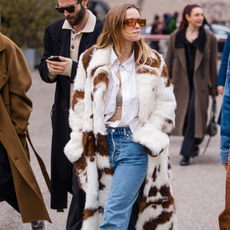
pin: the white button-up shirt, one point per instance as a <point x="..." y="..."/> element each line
<point x="129" y="93"/>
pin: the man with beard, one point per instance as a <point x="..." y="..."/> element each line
<point x="66" y="38"/>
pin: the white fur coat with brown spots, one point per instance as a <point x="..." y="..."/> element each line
<point x="87" y="147"/>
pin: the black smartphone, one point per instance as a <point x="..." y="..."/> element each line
<point x="54" y="58"/>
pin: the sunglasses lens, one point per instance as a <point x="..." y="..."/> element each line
<point x="142" y="22"/>
<point x="59" y="9"/>
<point x="130" y="22"/>
<point x="70" y="9"/>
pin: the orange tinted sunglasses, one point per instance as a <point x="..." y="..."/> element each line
<point x="132" y="22"/>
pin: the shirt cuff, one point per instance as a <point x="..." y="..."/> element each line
<point x="224" y="156"/>
<point x="50" y="76"/>
<point x="68" y="69"/>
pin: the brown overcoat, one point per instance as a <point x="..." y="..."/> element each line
<point x="15" y="109"/>
<point x="204" y="80"/>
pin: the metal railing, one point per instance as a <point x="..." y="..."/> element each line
<point x="163" y="40"/>
<point x="159" y="37"/>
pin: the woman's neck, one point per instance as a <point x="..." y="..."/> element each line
<point x="192" y="32"/>
<point x="126" y="53"/>
<point x="192" y="29"/>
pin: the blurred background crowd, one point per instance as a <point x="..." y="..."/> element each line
<point x="26" y="23"/>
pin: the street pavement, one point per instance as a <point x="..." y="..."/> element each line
<point x="199" y="189"/>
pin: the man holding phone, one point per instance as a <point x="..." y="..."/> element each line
<point x="66" y="38"/>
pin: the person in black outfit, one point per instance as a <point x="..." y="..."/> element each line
<point x="165" y="24"/>
<point x="67" y="38"/>
<point x="155" y="29"/>
<point x="192" y="63"/>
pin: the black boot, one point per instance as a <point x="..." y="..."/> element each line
<point x="184" y="161"/>
<point x="197" y="150"/>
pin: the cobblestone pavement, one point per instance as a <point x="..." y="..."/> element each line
<point x="199" y="188"/>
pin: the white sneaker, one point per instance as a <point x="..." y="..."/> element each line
<point x="39" y="225"/>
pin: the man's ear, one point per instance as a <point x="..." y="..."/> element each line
<point x="84" y="3"/>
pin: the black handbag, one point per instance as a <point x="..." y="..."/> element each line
<point x="211" y="128"/>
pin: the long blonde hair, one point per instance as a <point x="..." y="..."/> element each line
<point x="112" y="33"/>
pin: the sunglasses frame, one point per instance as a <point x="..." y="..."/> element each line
<point x="141" y="22"/>
<point x="69" y="9"/>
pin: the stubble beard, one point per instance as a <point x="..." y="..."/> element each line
<point x="77" y="17"/>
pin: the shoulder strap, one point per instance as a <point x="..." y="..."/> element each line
<point x="207" y="145"/>
<point x="212" y="116"/>
<point x="41" y="163"/>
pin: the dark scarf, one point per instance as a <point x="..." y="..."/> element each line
<point x="199" y="42"/>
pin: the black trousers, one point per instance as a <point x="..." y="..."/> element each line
<point x="188" y="146"/>
<point x="75" y="215"/>
<point x="7" y="190"/>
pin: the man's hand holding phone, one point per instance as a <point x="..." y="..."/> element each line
<point x="57" y="64"/>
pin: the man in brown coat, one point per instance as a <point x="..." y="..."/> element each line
<point x="18" y="185"/>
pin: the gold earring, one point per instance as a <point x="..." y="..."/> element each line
<point x="188" y="20"/>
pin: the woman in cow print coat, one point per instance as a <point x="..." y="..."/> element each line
<point x="121" y="117"/>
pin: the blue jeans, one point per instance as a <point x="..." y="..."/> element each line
<point x="129" y="162"/>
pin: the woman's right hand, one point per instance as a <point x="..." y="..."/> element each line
<point x="220" y="89"/>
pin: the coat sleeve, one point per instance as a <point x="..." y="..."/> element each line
<point x="48" y="51"/>
<point x="225" y="121"/>
<point x="154" y="134"/>
<point x="19" y="83"/>
<point x="224" y="63"/>
<point x="49" y="46"/>
<point x="213" y="65"/>
<point x="74" y="148"/>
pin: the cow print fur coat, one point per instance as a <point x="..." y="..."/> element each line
<point x="87" y="148"/>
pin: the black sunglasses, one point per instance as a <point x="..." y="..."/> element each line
<point x="69" y="9"/>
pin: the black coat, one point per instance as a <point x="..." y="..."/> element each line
<point x="57" y="42"/>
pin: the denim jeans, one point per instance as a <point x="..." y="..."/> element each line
<point x="129" y="162"/>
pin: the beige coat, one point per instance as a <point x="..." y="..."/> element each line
<point x="204" y="81"/>
<point x="15" y="109"/>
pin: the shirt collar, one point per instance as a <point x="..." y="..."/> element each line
<point x="127" y="65"/>
<point x="89" y="26"/>
<point x="113" y="58"/>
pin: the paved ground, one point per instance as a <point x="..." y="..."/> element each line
<point x="198" y="188"/>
